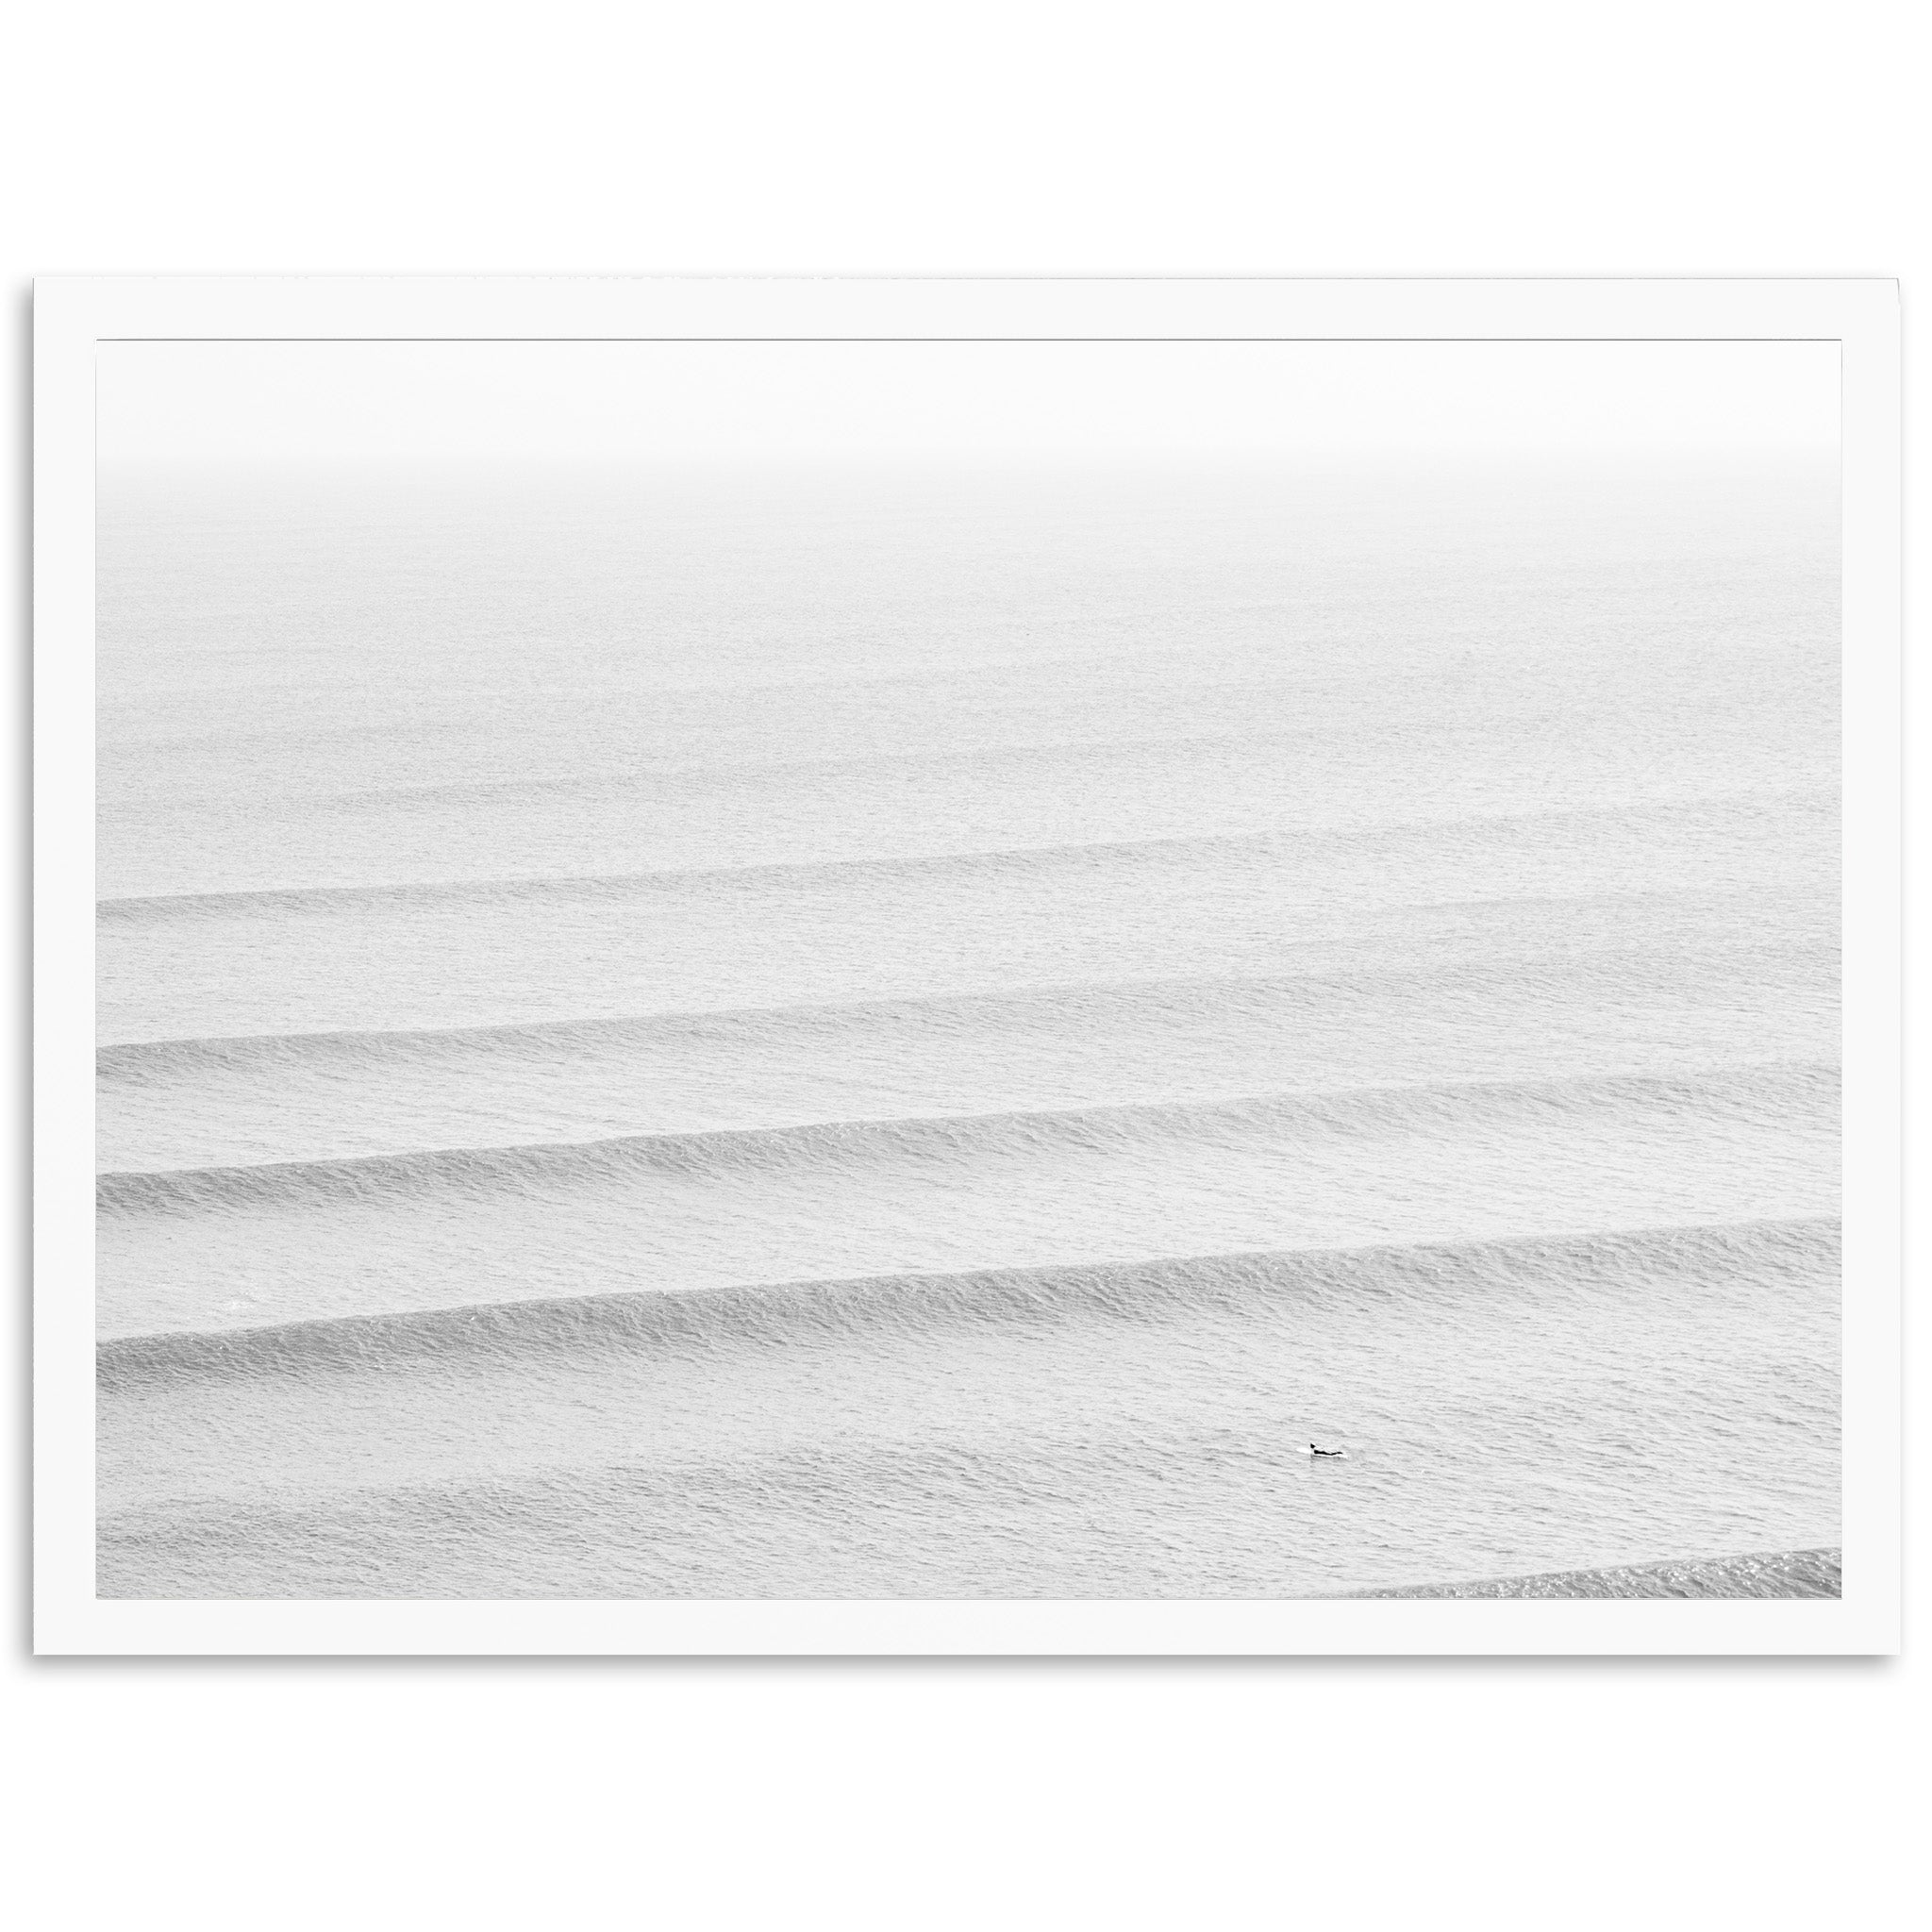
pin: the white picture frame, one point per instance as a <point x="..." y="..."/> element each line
<point x="73" y="316"/>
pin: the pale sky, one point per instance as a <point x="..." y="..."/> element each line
<point x="202" y="404"/>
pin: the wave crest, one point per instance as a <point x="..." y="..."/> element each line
<point x="1736" y="1093"/>
<point x="794" y="1312"/>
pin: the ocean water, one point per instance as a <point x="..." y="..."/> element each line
<point x="893" y="1032"/>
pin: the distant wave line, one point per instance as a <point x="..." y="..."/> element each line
<point x="603" y="886"/>
<point x="136" y="908"/>
<point x="646" y="773"/>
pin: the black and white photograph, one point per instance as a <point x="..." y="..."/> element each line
<point x="968" y="969"/>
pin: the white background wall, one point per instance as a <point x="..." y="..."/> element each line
<point x="1682" y="138"/>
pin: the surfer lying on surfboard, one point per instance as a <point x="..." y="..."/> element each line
<point x="1314" y="1451"/>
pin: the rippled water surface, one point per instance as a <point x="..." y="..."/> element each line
<point x="897" y="1034"/>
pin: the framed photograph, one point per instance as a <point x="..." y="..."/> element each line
<point x="990" y="967"/>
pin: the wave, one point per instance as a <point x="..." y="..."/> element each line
<point x="797" y="1312"/>
<point x="1227" y="997"/>
<point x="1764" y="1573"/>
<point x="996" y="864"/>
<point x="602" y="887"/>
<point x="1748" y="1093"/>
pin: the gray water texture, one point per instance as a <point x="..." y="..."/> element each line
<point x="921" y="1032"/>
